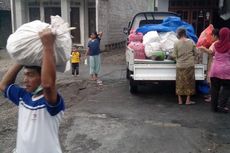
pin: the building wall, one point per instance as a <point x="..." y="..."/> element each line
<point x="111" y="16"/>
<point x="162" y="5"/>
<point x="114" y="15"/>
<point x="102" y="20"/>
<point x="5" y="5"/>
<point x="5" y="28"/>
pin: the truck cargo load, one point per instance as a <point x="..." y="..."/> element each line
<point x="158" y="44"/>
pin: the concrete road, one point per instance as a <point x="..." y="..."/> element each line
<point x="112" y="120"/>
<point x="108" y="119"/>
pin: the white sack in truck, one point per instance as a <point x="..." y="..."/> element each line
<point x="168" y="40"/>
<point x="150" y="37"/>
<point x="26" y="47"/>
<point x="150" y="48"/>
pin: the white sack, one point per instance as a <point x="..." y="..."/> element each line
<point x="26" y="47"/>
<point x="150" y="48"/>
<point x="168" y="40"/>
<point x="150" y="37"/>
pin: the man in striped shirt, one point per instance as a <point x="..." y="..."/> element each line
<point x="40" y="106"/>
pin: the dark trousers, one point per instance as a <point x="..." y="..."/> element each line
<point x="220" y="93"/>
<point x="75" y="68"/>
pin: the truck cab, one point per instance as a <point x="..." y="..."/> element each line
<point x="144" y="18"/>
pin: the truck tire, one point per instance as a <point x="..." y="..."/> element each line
<point x="128" y="73"/>
<point x="133" y="88"/>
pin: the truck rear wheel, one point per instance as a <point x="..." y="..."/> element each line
<point x="133" y="88"/>
<point x="128" y="73"/>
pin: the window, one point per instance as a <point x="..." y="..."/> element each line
<point x="51" y="11"/>
<point x="51" y="7"/>
<point x="34" y="13"/>
<point x="34" y="10"/>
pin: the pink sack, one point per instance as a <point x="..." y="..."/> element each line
<point x="135" y="36"/>
<point x="139" y="50"/>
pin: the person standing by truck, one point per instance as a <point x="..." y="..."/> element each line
<point x="220" y="72"/>
<point x="184" y="54"/>
<point x="210" y="52"/>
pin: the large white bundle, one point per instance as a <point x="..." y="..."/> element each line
<point x="26" y="47"/>
<point x="150" y="48"/>
<point x="168" y="40"/>
<point x="150" y="37"/>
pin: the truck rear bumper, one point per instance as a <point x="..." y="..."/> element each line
<point x="161" y="72"/>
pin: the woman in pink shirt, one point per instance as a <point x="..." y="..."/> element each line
<point x="220" y="72"/>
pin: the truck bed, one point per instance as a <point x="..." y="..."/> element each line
<point x="151" y="70"/>
<point x="149" y="61"/>
<point x="160" y="72"/>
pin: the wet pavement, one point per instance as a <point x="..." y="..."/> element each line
<point x="108" y="119"/>
<point x="115" y="121"/>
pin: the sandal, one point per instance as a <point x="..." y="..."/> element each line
<point x="99" y="82"/>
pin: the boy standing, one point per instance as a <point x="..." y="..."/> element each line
<point x="75" y="60"/>
<point x="40" y="106"/>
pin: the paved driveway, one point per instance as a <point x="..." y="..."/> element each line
<point x="114" y="121"/>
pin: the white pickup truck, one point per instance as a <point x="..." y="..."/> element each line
<point x="147" y="70"/>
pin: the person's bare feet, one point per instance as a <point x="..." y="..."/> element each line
<point x="208" y="99"/>
<point x="91" y="77"/>
<point x="190" y="103"/>
<point x="223" y="109"/>
<point x="180" y="102"/>
<point x="207" y="96"/>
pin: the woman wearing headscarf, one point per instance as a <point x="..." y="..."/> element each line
<point x="184" y="54"/>
<point x="220" y="72"/>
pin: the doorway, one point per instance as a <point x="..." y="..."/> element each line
<point x="34" y="13"/>
<point x="5" y="27"/>
<point x="75" y="22"/>
<point x="92" y="20"/>
<point x="196" y="12"/>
